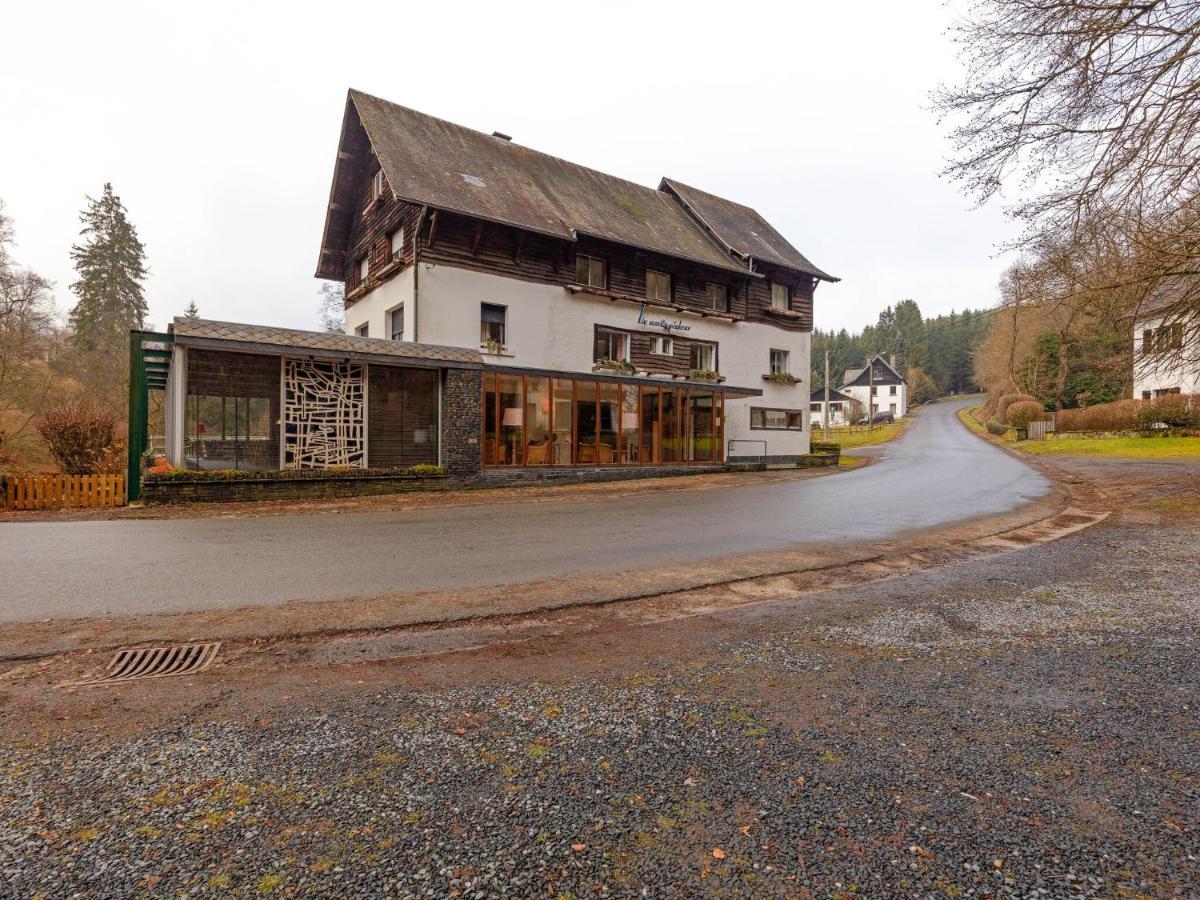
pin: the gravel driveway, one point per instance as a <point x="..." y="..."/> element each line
<point x="1023" y="725"/>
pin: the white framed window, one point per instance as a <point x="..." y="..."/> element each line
<point x="364" y="269"/>
<point x="492" y="323"/>
<point x="397" y="242"/>
<point x="779" y="362"/>
<point x="590" y="271"/>
<point x="396" y="321"/>
<point x="658" y="285"/>
<point x="716" y="296"/>
<point x="704" y="356"/>
<point x="662" y="346"/>
<point x="363" y="330"/>
<point x="611" y="344"/>
<point x="780" y="296"/>
<point x="377" y="185"/>
<point x="892" y="390"/>
<point x="892" y="407"/>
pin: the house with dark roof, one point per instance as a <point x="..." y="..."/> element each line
<point x="1166" y="357"/>
<point x="512" y="315"/>
<point x="877" y="386"/>
<point x="843" y="409"/>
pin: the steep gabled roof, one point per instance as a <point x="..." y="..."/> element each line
<point x="436" y="163"/>
<point x="853" y="376"/>
<point x="741" y="229"/>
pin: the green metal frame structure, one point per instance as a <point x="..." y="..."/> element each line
<point x="149" y="364"/>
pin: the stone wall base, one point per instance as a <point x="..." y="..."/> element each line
<point x="154" y="492"/>
<point x="582" y="474"/>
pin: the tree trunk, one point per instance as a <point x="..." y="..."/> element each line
<point x="1060" y="382"/>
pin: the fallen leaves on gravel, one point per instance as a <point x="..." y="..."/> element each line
<point x="718" y="853"/>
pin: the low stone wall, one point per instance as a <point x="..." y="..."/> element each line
<point x="811" y="460"/>
<point x="580" y="474"/>
<point x="212" y="491"/>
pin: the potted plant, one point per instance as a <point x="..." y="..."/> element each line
<point x="493" y="347"/>
<point x="786" y="378"/>
<point x="623" y="366"/>
<point x="705" y="375"/>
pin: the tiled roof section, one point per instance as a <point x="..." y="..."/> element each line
<point x="295" y="339"/>
<point x="818" y="396"/>
<point x="743" y="230"/>
<point x="1167" y="294"/>
<point x="431" y="161"/>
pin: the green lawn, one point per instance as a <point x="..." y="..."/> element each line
<point x="859" y="436"/>
<point x="1123" y="447"/>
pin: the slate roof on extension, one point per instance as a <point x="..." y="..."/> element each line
<point x="433" y="162"/>
<point x="742" y="229"/>
<point x="205" y="332"/>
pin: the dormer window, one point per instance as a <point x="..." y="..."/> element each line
<point x="377" y="185"/>
<point x="780" y="296"/>
<point x="397" y="242"/>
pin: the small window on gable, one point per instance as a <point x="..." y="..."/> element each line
<point x="377" y="185"/>
<point x="364" y="269"/>
<point x="1147" y="341"/>
<point x="780" y="296"/>
<point x="397" y="242"/>
<point x="589" y="270"/>
<point x="662" y="346"/>
<point x="658" y="285"/>
<point x="716" y="297"/>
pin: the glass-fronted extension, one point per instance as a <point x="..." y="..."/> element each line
<point x="540" y="420"/>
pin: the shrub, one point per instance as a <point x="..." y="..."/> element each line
<point x="425" y="470"/>
<point x="1008" y="400"/>
<point x="1174" y="411"/>
<point x="1121" y="415"/>
<point x="1021" y="413"/>
<point x="80" y="436"/>
<point x="921" y="388"/>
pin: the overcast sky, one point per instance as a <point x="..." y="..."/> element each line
<point x="219" y="130"/>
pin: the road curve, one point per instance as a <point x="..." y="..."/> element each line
<point x="938" y="473"/>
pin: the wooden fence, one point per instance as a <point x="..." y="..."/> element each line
<point x="56" y="491"/>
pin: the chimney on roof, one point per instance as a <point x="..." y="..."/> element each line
<point x="502" y="135"/>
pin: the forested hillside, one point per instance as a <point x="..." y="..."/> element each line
<point x="940" y="348"/>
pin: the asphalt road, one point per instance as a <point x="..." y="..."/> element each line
<point x="937" y="474"/>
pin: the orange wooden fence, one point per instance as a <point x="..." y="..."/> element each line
<point x="54" y="491"/>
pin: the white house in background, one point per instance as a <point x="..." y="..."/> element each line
<point x="877" y="386"/>
<point x="842" y="408"/>
<point x="1166" y="358"/>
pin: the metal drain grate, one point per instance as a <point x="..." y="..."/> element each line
<point x="157" y="662"/>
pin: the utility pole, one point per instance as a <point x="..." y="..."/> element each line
<point x="870" y="394"/>
<point x="825" y="416"/>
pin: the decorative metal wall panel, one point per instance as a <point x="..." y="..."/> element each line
<point x="324" y="414"/>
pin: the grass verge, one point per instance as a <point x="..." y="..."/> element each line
<point x="1119" y="447"/>
<point x="859" y="437"/>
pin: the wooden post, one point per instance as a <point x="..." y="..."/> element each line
<point x="825" y="416"/>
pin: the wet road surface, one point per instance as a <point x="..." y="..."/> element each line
<point x="936" y="474"/>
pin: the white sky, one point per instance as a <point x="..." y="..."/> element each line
<point x="218" y="129"/>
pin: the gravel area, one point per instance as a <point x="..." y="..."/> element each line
<point x="1023" y="726"/>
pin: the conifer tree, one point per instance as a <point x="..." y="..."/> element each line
<point x="111" y="263"/>
<point x="191" y="312"/>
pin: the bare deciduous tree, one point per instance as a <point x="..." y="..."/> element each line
<point x="1091" y="111"/>
<point x="26" y="331"/>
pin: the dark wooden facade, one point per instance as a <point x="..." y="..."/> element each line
<point x="447" y="238"/>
